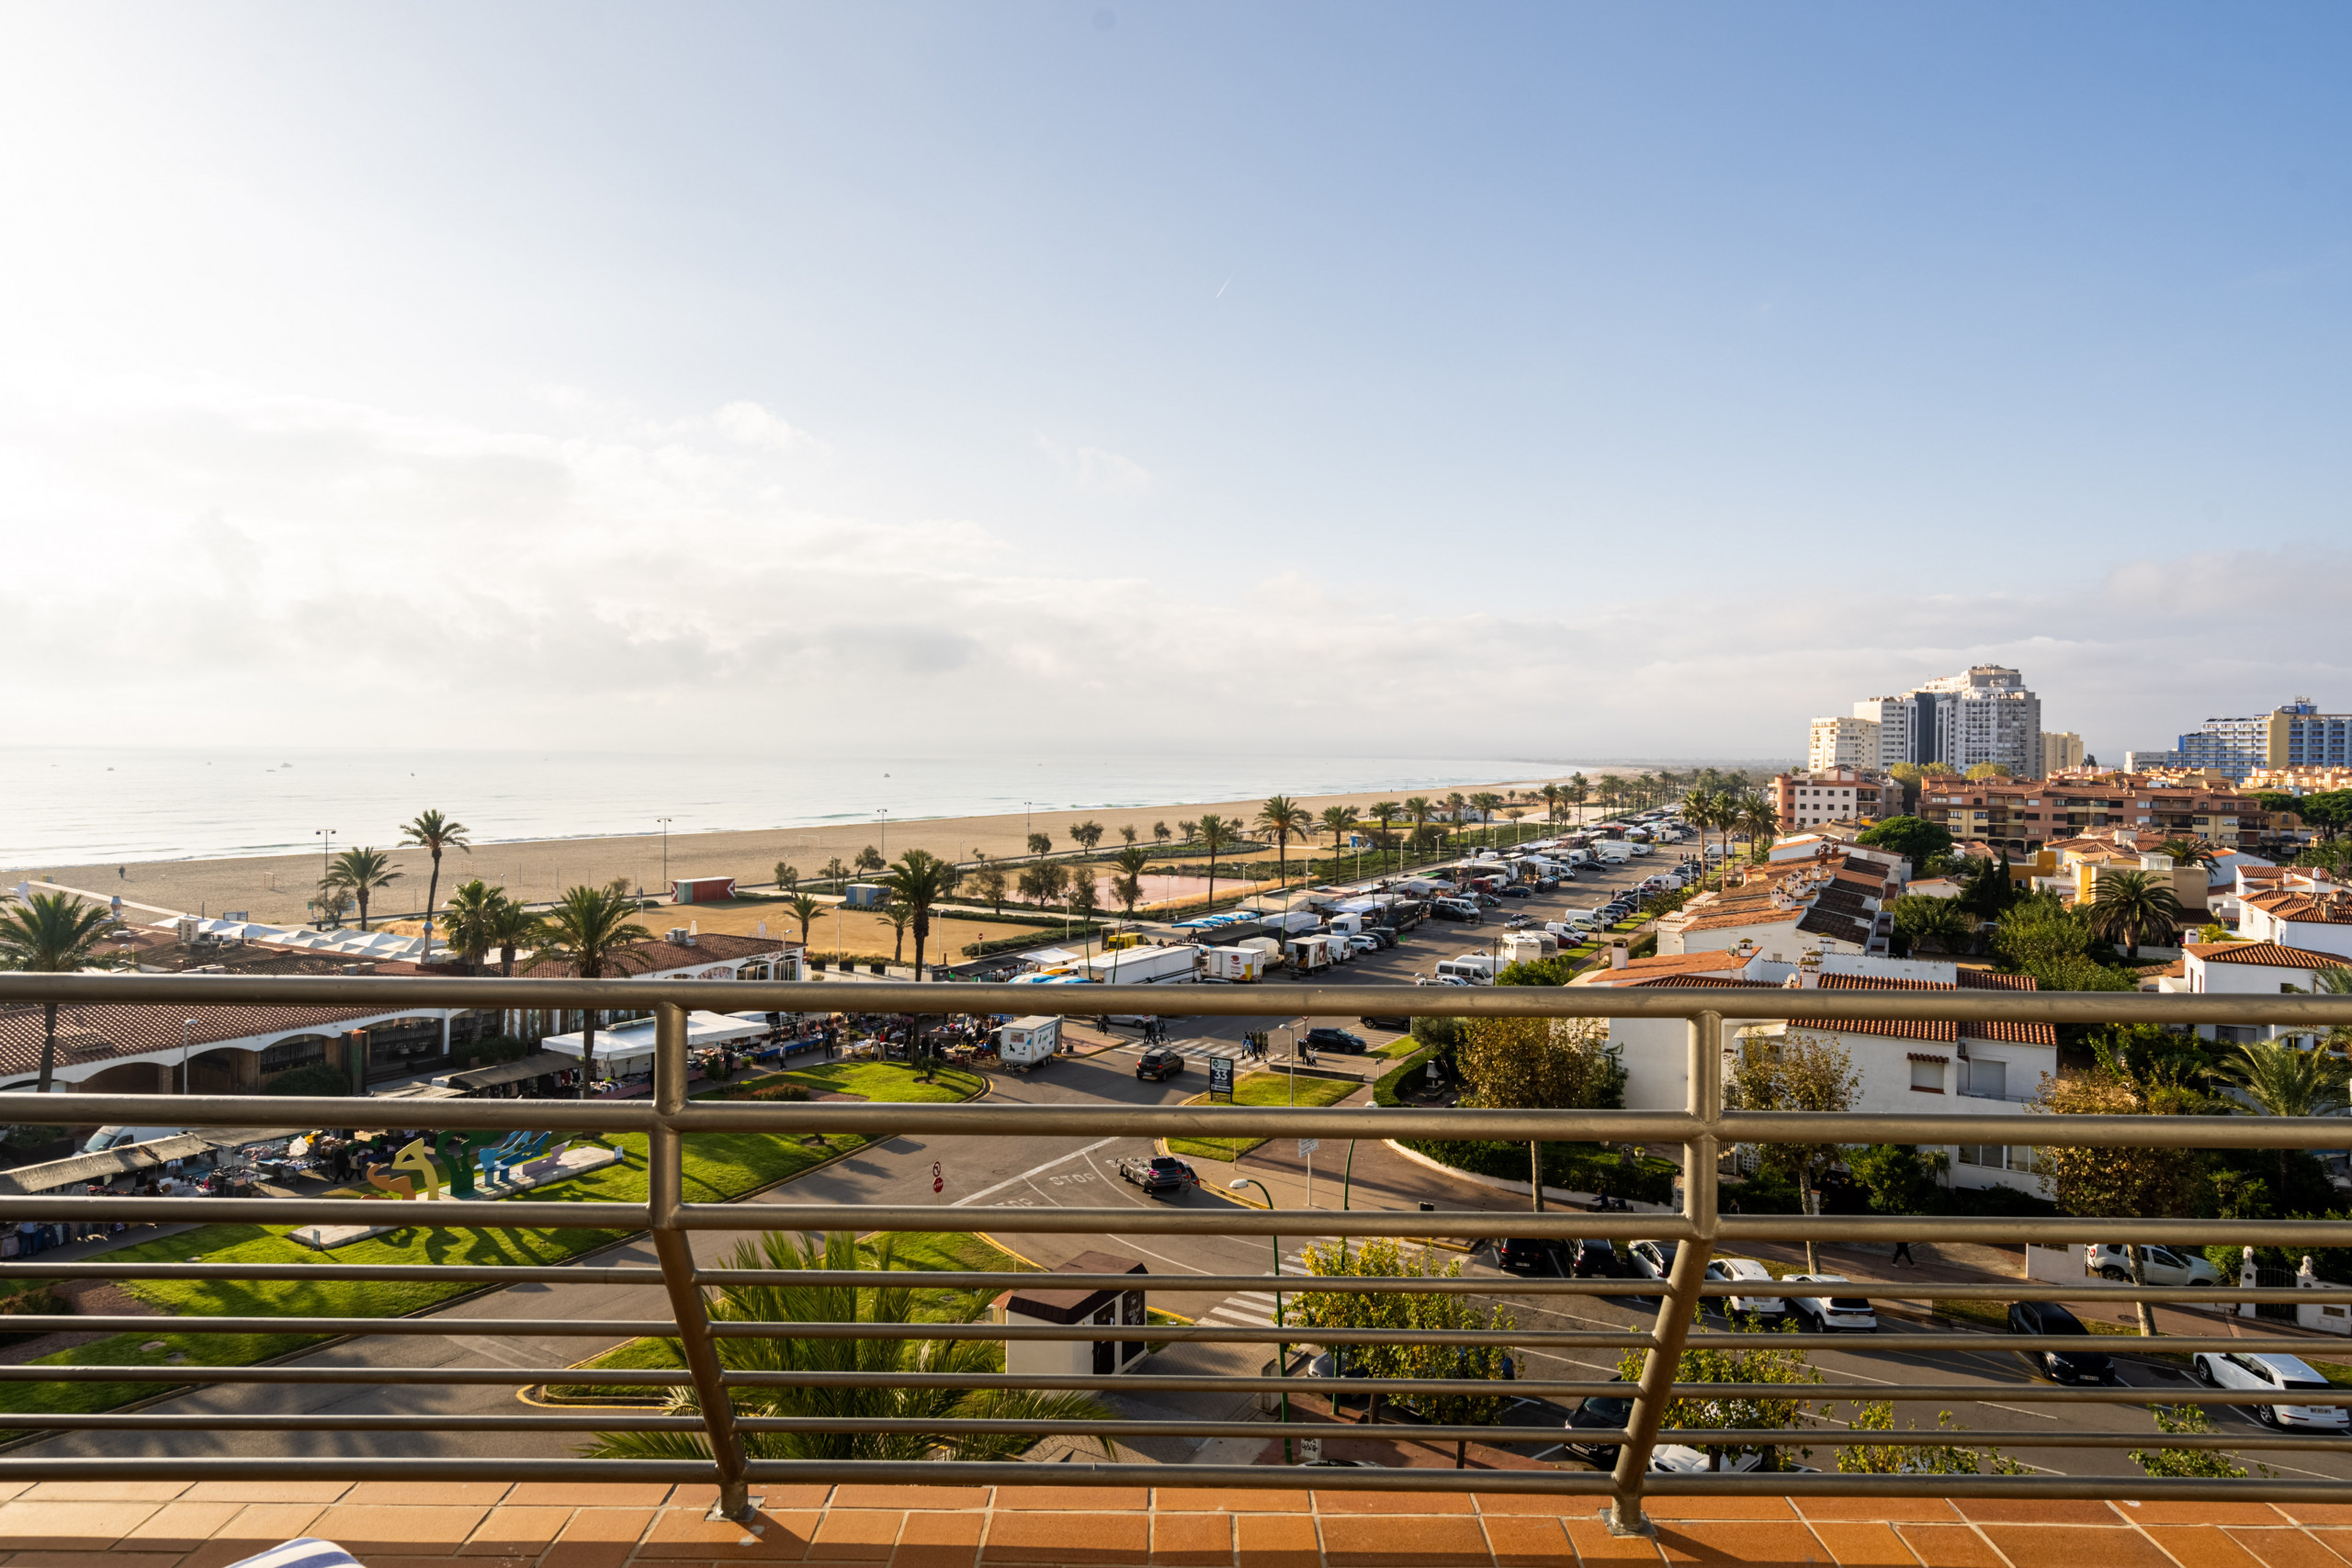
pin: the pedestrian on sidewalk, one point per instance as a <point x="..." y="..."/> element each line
<point x="1903" y="1253"/>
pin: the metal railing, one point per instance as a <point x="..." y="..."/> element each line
<point x="1702" y="1127"/>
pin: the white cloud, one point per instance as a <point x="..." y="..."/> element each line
<point x="749" y="425"/>
<point x="1091" y="470"/>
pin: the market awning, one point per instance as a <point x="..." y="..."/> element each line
<point x="538" y="1064"/>
<point x="635" y="1038"/>
<point x="79" y="1170"/>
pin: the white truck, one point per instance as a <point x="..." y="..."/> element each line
<point x="1309" y="953"/>
<point x="1478" y="968"/>
<point x="1291" y="922"/>
<point x="1143" y="967"/>
<point x="1233" y="966"/>
<point x="1026" y="1041"/>
<point x="1614" y="852"/>
<point x="1531" y="947"/>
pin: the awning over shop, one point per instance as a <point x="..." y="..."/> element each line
<point x="79" y="1170"/>
<point x="623" y="1043"/>
<point x="538" y="1064"/>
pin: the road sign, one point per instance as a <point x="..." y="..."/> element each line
<point x="938" y="1179"/>
<point x="1308" y="1146"/>
<point x="1221" y="1078"/>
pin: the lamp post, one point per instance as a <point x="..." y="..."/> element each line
<point x="665" y="852"/>
<point x="884" y="812"/>
<point x="187" y="1032"/>
<point x="1282" y="1349"/>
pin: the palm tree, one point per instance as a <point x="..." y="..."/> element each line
<point x="804" y="909"/>
<point x="2284" y="1081"/>
<point x="1487" y="802"/>
<point x="1578" y="790"/>
<point x="919" y="882"/>
<point x="360" y="873"/>
<point x="1128" y="884"/>
<point x="2132" y="904"/>
<point x="471" y="905"/>
<point x="1282" y="817"/>
<point x="1551" y="795"/>
<point x="865" y="1408"/>
<point x="1191" y="830"/>
<point x="1385" y="812"/>
<point x="1419" y="809"/>
<point x="1699" y="809"/>
<point x="1612" y="791"/>
<point x="433" y="832"/>
<point x="510" y="927"/>
<point x="1455" y="805"/>
<point x="1760" y="822"/>
<point x="899" y="916"/>
<point x="836" y="873"/>
<point x="1217" y="835"/>
<point x="1340" y="822"/>
<point x="788" y="877"/>
<point x="2186" y="851"/>
<point x="54" y="933"/>
<point x="2335" y="981"/>
<point x="591" y="929"/>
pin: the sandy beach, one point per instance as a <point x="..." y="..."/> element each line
<point x="275" y="887"/>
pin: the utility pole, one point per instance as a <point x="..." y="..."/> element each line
<point x="665" y="853"/>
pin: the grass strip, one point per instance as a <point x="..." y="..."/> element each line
<point x="1261" y="1089"/>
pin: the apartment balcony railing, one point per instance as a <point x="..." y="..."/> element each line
<point x="1703" y="1127"/>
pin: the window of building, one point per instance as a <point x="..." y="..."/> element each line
<point x="1927" y="1077"/>
<point x="1989" y="1078"/>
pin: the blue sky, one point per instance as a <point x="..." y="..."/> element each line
<point x="1581" y="381"/>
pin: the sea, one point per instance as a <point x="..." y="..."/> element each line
<point x="87" y="805"/>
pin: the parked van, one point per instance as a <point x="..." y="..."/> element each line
<point x="1234" y="965"/>
<point x="1477" y="968"/>
<point x="1309" y="953"/>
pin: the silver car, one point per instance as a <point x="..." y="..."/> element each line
<point x="1830" y="1314"/>
<point x="2270" y="1373"/>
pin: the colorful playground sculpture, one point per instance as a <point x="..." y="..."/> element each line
<point x="450" y="1159"/>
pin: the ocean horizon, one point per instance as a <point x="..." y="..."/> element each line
<point x="88" y="804"/>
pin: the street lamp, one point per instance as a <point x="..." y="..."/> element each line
<point x="1282" y="1349"/>
<point x="884" y="813"/>
<point x="187" y="1030"/>
<point x="665" y="851"/>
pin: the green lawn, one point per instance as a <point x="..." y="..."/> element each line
<point x="719" y="1166"/>
<point x="1261" y="1089"/>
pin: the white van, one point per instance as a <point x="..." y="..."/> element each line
<point x="1476" y="967"/>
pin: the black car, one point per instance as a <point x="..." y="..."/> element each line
<point x="1540" y="1254"/>
<point x="2086" y="1365"/>
<point x="1338" y="1040"/>
<point x="1601" y="1412"/>
<point x="1595" y="1259"/>
<point x="1159" y="1065"/>
<point x="1401" y="1025"/>
<point x="1516" y="891"/>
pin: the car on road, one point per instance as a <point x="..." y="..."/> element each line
<point x="1401" y="1025"/>
<point x="2084" y="1365"/>
<point x="1446" y="910"/>
<point x="1156" y="1065"/>
<point x="1159" y="1174"/>
<point x="2160" y="1265"/>
<point x="2272" y="1372"/>
<point x="1829" y="1314"/>
<point x="1538" y="1254"/>
<point x="1679" y="1459"/>
<point x="1600" y="1412"/>
<point x="1338" y="1040"/>
<point x="1652" y="1259"/>
<point x="1363" y="943"/>
<point x="1516" y="891"/>
<point x="1744" y="1270"/>
<point x="1596" y="1259"/>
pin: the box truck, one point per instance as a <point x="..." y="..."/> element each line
<point x="1309" y="953"/>
<point x="1142" y="966"/>
<point x="1291" y="923"/>
<point x="1614" y="852"/>
<point x="1026" y="1041"/>
<point x="1234" y="965"/>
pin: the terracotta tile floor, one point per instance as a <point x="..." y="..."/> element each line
<point x="58" y="1525"/>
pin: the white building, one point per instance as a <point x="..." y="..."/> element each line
<point x="1851" y="744"/>
<point x="1978" y="1068"/>
<point x="1984" y="715"/>
<point x="1893" y="717"/>
<point x="2316" y="922"/>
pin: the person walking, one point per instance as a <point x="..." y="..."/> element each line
<point x="1903" y="1253"/>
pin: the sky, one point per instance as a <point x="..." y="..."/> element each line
<point x="1513" y="379"/>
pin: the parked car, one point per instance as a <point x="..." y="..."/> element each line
<point x="1538" y="1254"/>
<point x="1401" y="1025"/>
<point x="1451" y="911"/>
<point x="1596" y="1259"/>
<point x="1159" y="1174"/>
<point x="1516" y="891"/>
<point x="1652" y="1259"/>
<point x="2084" y="1365"/>
<point x="2160" y="1265"/>
<point x="1328" y="1366"/>
<point x="2268" y="1373"/>
<point x="1743" y="1270"/>
<point x="1830" y="1314"/>
<point x="1679" y="1459"/>
<point x="1156" y="1065"/>
<point x="1600" y="1412"/>
<point x="1338" y="1040"/>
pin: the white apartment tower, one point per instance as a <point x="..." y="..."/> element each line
<point x="1984" y="715"/>
<point x="1849" y="743"/>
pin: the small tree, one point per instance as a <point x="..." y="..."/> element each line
<point x="1775" y="1357"/>
<point x="788" y="876"/>
<point x="1040" y="843"/>
<point x="1159" y="833"/>
<point x="1408" y="1314"/>
<point x="1988" y="769"/>
<point x="1934" y="925"/>
<point x="2189" y="1464"/>
<point x="1191" y="830"/>
<point x="1793" y="1071"/>
<point x="1898" y="1178"/>
<point x="2123" y="1183"/>
<point x="1919" y="1459"/>
<point x="837" y="872"/>
<point x="1540" y="1063"/>
<point x="988" y="886"/>
<point x="899" y="917"/>
<point x="1083" y="897"/>
<point x="869" y="859"/>
<point x="1086" y="835"/>
<point x="804" y="908"/>
<point x="1127" y="833"/>
<point x="1915" y="839"/>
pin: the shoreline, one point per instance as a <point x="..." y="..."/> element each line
<point x="274" y="888"/>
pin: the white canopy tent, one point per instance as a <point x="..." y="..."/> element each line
<point x="625" y="1048"/>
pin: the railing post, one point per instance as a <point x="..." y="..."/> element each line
<point x="1681" y="1301"/>
<point x="673" y="1249"/>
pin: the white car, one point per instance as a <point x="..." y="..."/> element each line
<point x="1652" y="1259"/>
<point x="1830" y="1314"/>
<point x="2160" y="1265"/>
<point x="2271" y="1373"/>
<point x="1362" y="944"/>
<point x="1742" y="1270"/>
<point x="1674" y="1458"/>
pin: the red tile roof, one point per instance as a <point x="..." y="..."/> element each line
<point x="2268" y="954"/>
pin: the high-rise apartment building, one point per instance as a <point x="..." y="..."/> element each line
<point x="1892" y="717"/>
<point x="1984" y="715"/>
<point x="1851" y="743"/>
<point x="2293" y="735"/>
<point x="2060" y="748"/>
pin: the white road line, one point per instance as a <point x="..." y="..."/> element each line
<point x="499" y="1351"/>
<point x="1016" y="1180"/>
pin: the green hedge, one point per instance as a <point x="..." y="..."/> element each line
<point x="1406" y="1076"/>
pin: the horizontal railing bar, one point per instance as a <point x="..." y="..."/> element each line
<point x="1203" y="1002"/>
<point x="2101" y="1344"/>
<point x="509" y="1213"/>
<point x="312" y="1110"/>
<point x="1183" y="1284"/>
<point x="1833" y="1229"/>
<point x="191" y="1373"/>
<point x="480" y="1273"/>
<point x="591" y="1419"/>
<point x="2036" y="1127"/>
<point x="1225" y="1220"/>
<point x="1264" y="1477"/>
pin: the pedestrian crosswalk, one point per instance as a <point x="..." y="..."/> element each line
<point x="1255" y="1309"/>
<point x="1198" y="1048"/>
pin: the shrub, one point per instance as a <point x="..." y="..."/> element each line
<point x="319" y="1078"/>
